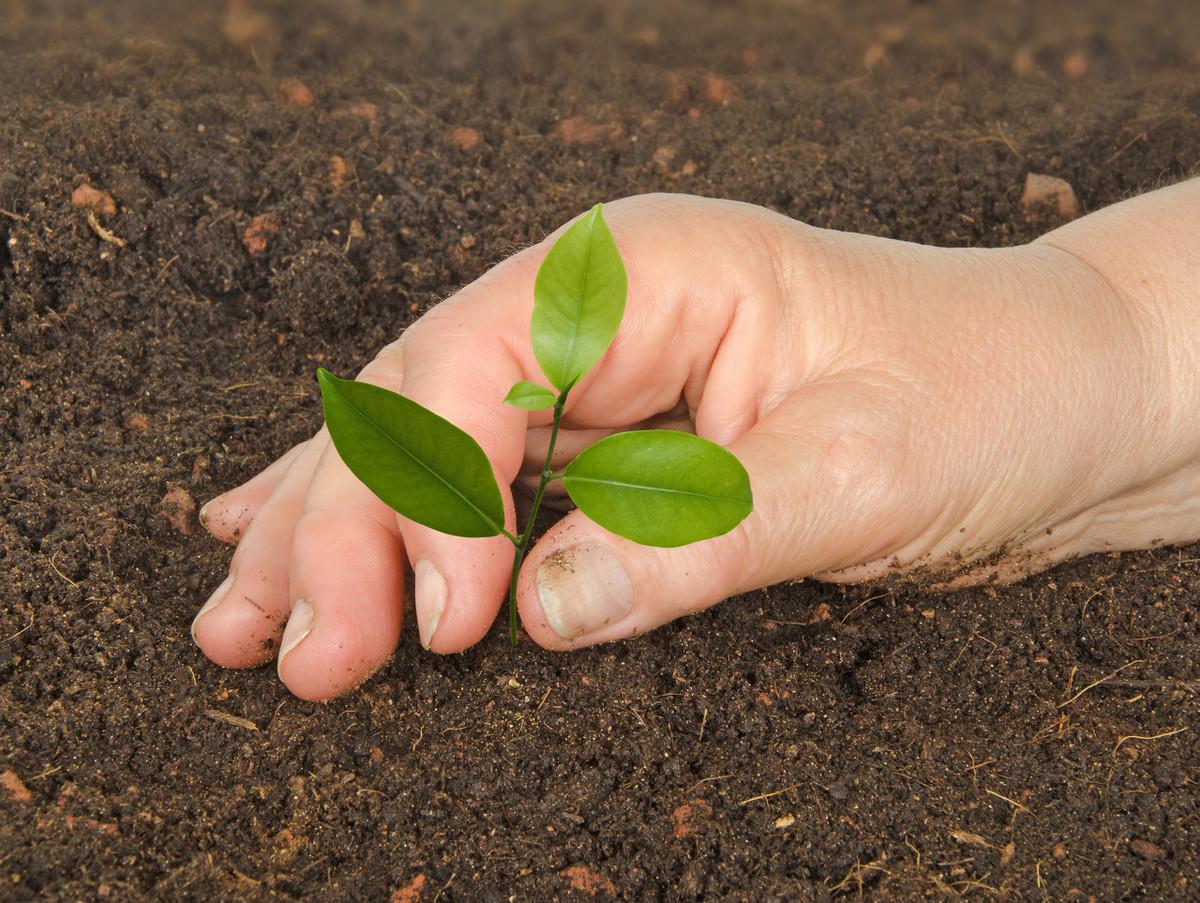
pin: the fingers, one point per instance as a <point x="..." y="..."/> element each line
<point x="457" y="363"/>
<point x="228" y="515"/>
<point x="346" y="582"/>
<point x="824" y="497"/>
<point x="241" y="623"/>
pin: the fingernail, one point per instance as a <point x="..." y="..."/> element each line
<point x="213" y="601"/>
<point x="431" y="599"/>
<point x="203" y="515"/>
<point x="299" y="626"/>
<point x="583" y="588"/>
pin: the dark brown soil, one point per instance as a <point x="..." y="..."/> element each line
<point x="803" y="742"/>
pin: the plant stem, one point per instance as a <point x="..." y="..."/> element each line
<point x="522" y="542"/>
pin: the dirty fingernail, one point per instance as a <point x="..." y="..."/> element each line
<point x="203" y="515"/>
<point x="431" y="599"/>
<point x="213" y="601"/>
<point x="583" y="588"/>
<point x="299" y="626"/>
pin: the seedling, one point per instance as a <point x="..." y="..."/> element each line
<point x="655" y="487"/>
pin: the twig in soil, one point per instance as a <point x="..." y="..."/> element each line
<point x="166" y="266"/>
<point x="11" y="215"/>
<point x="103" y="233"/>
<point x="847" y="615"/>
<point x="703" y="721"/>
<point x="856" y="874"/>
<point x="1020" y="807"/>
<point x="973" y="767"/>
<point x="438" y="895"/>
<point x="46" y="773"/>
<point x="1169" y="733"/>
<point x="545" y="696"/>
<point x="398" y="91"/>
<point x="1096" y="683"/>
<point x="1140" y="136"/>
<point x="54" y="567"/>
<point x="766" y="796"/>
<point x="23" y="629"/>
<point x="238" y="417"/>
<point x="702" y="781"/>
<point x="218" y="715"/>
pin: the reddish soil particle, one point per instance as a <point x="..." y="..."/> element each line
<point x="364" y="110"/>
<point x="411" y="892"/>
<point x="99" y="202"/>
<point x="577" y="130"/>
<point x="1144" y="849"/>
<point x="1075" y="65"/>
<point x="338" y="168"/>
<point x="256" y="237"/>
<point x="820" y="613"/>
<point x="137" y="421"/>
<point x="664" y="156"/>
<point x="178" y="507"/>
<point x="14" y="787"/>
<point x="465" y="137"/>
<point x="690" y="817"/>
<point x="717" y="90"/>
<point x="588" y="881"/>
<point x="294" y="93"/>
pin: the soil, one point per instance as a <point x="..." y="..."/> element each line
<point x="288" y="185"/>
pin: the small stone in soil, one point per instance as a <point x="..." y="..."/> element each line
<point x="14" y="787"/>
<point x="1042" y="189"/>
<point x="1144" y="849"/>
<point x="178" y="506"/>
<point x="587" y="881"/>
<point x="578" y="130"/>
<point x="295" y="93"/>
<point x="259" y="232"/>
<point x="99" y="202"/>
<point x="464" y="137"/>
<point x="1075" y="65"/>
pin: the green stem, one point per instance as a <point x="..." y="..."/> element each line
<point x="522" y="542"/>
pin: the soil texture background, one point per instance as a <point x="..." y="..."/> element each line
<point x="201" y="203"/>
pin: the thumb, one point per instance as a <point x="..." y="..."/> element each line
<point x="822" y="502"/>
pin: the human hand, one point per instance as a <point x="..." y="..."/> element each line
<point x="971" y="414"/>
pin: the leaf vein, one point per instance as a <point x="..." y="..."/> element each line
<point x="646" y="488"/>
<point x="453" y="489"/>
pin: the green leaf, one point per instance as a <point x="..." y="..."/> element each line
<point x="530" y="396"/>
<point x="578" y="300"/>
<point x="418" y="463"/>
<point x="660" y="487"/>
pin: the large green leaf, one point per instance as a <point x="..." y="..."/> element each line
<point x="578" y="300"/>
<point x="418" y="463"/>
<point x="660" y="487"/>
<point x="530" y="396"/>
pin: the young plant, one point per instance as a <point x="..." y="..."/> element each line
<point x="655" y="487"/>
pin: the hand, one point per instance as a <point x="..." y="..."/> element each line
<point x="968" y="414"/>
